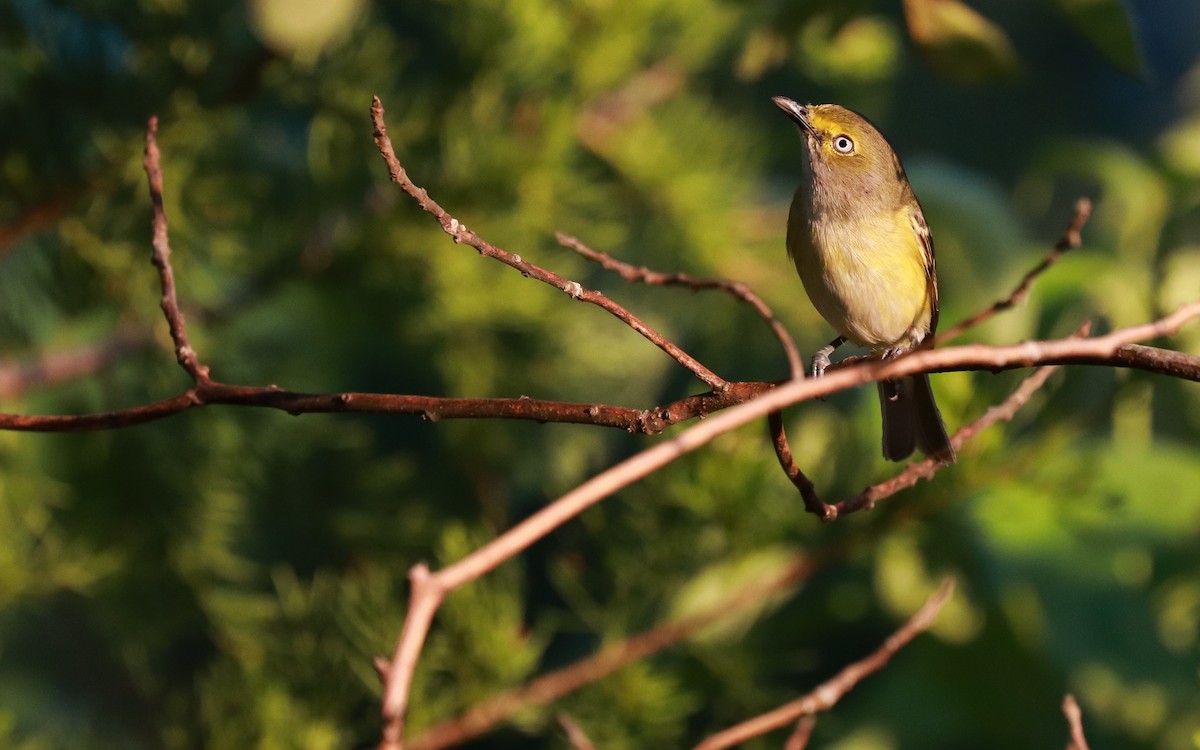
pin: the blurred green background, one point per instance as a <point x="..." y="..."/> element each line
<point x="223" y="578"/>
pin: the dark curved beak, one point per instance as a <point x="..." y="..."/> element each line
<point x="798" y="113"/>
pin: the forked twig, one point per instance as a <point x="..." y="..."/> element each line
<point x="644" y="275"/>
<point x="736" y="289"/>
<point x="460" y="234"/>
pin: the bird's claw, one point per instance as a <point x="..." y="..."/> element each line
<point x="820" y="362"/>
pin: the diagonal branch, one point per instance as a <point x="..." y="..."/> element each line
<point x="162" y="260"/>
<point x="826" y="695"/>
<point x="575" y="734"/>
<point x="460" y="234"/>
<point x="741" y="292"/>
<point x="1070" y="240"/>
<point x="483" y="716"/>
<point x="783" y="451"/>
<point x="925" y="469"/>
<point x="738" y="290"/>
<point x="802" y="733"/>
<point x="432" y="588"/>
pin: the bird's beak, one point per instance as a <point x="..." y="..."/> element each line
<point x="798" y="113"/>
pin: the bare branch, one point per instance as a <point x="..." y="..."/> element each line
<point x="1152" y="359"/>
<point x="574" y="289"/>
<point x="575" y="734"/>
<point x="1075" y="721"/>
<point x="431" y="408"/>
<point x="550" y="687"/>
<point x="424" y="601"/>
<point x="642" y="274"/>
<point x="783" y="451"/>
<point x="738" y="290"/>
<point x="925" y="469"/>
<point x="802" y="733"/>
<point x="1069" y="241"/>
<point x="827" y="694"/>
<point x="425" y="598"/>
<point x="1098" y="352"/>
<point x="162" y="261"/>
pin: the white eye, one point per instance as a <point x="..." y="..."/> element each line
<point x="842" y="144"/>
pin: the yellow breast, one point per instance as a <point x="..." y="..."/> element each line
<point x="866" y="276"/>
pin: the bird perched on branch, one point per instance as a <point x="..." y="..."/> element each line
<point x="861" y="246"/>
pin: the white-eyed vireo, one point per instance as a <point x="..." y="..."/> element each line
<point x="860" y="243"/>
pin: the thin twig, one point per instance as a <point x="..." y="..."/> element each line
<point x="1069" y="241"/>
<point x="802" y="733"/>
<point x="736" y="289"/>
<point x="1075" y="721"/>
<point x="925" y="469"/>
<point x="161" y="258"/>
<point x="644" y="275"/>
<point x="575" y="734"/>
<point x="427" y="592"/>
<point x="460" y="234"/>
<point x="826" y="695"/>
<point x="783" y="451"/>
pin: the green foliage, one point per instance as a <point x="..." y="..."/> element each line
<point x="225" y="578"/>
<point x="1106" y="24"/>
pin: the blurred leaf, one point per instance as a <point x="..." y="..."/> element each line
<point x="1107" y="25"/>
<point x="862" y="49"/>
<point x="719" y="583"/>
<point x="960" y="44"/>
<point x="1180" y="147"/>
<point x="303" y="27"/>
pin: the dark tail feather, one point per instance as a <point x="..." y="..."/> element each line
<point x="911" y="420"/>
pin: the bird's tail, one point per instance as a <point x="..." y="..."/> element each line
<point x="911" y="420"/>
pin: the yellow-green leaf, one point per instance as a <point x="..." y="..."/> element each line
<point x="958" y="43"/>
<point x="1107" y="25"/>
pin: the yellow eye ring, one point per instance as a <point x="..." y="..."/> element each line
<point x="843" y="144"/>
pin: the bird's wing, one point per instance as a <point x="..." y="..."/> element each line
<point x="925" y="239"/>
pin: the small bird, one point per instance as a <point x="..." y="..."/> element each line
<point x="861" y="246"/>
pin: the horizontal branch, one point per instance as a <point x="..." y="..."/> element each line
<point x="430" y="408"/>
<point x="643" y="421"/>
